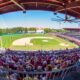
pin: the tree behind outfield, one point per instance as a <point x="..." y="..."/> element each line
<point x="32" y="29"/>
<point x="47" y="30"/>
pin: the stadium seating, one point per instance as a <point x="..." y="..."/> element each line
<point x="39" y="65"/>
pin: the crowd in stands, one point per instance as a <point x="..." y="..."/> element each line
<point x="75" y="38"/>
<point x="73" y="35"/>
<point x="37" y="61"/>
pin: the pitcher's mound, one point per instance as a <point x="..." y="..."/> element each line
<point x="45" y="40"/>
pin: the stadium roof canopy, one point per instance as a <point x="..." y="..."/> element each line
<point x="72" y="6"/>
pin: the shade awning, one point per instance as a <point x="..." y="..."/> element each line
<point x="72" y="6"/>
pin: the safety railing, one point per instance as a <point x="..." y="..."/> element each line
<point x="50" y="75"/>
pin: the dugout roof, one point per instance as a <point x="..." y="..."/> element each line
<point x="73" y="6"/>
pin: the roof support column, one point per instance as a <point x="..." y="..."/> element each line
<point x="17" y="4"/>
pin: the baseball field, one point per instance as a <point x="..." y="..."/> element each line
<point x="34" y="42"/>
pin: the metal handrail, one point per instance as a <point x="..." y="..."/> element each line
<point x="42" y="72"/>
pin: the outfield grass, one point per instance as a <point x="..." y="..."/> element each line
<point x="38" y="44"/>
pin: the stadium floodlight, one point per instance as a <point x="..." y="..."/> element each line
<point x="24" y="12"/>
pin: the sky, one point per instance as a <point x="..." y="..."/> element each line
<point x="33" y="18"/>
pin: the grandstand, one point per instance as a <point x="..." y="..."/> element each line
<point x="41" y="64"/>
<point x="72" y="29"/>
<point x="73" y="33"/>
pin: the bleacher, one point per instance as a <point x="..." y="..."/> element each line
<point x="21" y="65"/>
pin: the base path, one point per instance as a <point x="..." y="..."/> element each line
<point x="27" y="41"/>
<point x="63" y="44"/>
